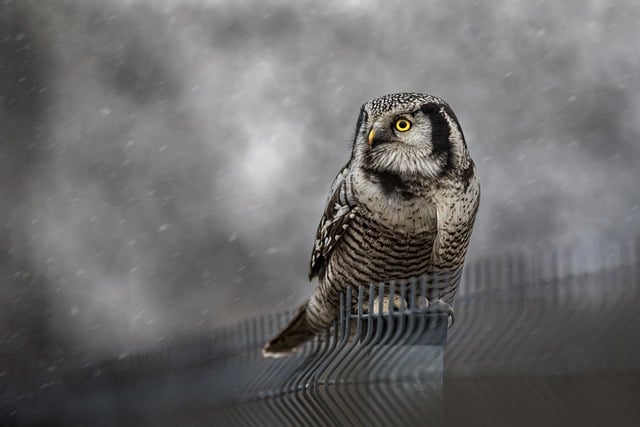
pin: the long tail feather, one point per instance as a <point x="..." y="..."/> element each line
<point x="296" y="333"/>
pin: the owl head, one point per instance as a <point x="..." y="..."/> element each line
<point x="412" y="136"/>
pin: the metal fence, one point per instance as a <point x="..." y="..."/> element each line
<point x="369" y="366"/>
<point x="540" y="339"/>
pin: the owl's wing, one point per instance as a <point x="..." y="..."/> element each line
<point x="334" y="220"/>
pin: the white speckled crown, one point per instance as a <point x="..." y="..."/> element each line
<point x="402" y="100"/>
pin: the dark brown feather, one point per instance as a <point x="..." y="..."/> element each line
<point x="335" y="218"/>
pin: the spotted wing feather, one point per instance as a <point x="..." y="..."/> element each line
<point x="335" y="219"/>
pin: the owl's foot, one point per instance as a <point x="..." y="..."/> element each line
<point x="386" y="306"/>
<point x="440" y="307"/>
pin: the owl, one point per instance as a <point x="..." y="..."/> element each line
<point x="403" y="206"/>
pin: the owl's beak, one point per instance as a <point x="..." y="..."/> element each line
<point x="379" y="136"/>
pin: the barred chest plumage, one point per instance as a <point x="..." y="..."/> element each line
<point x="372" y="252"/>
<point x="389" y="237"/>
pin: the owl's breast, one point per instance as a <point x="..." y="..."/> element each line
<point x="371" y="251"/>
<point x="396" y="209"/>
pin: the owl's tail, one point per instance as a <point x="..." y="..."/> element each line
<point x="296" y="333"/>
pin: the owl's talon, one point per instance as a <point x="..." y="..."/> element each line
<point x="441" y="307"/>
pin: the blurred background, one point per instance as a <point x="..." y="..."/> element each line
<point x="164" y="164"/>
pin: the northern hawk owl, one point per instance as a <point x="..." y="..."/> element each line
<point x="403" y="206"/>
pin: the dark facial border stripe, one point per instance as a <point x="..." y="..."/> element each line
<point x="362" y="117"/>
<point x="440" y="127"/>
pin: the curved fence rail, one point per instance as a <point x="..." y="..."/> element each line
<point x="551" y="339"/>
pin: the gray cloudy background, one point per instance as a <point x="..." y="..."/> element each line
<point x="163" y="164"/>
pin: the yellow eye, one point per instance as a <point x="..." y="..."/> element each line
<point x="403" y="125"/>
